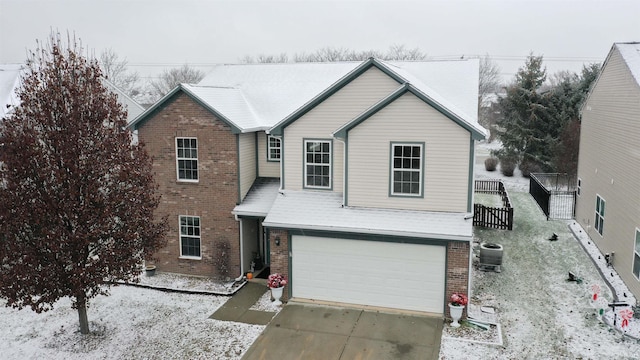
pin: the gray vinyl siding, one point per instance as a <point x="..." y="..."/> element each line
<point x="609" y="164"/>
<point x="247" y="150"/>
<point x="328" y="116"/>
<point x="266" y="168"/>
<point x="446" y="165"/>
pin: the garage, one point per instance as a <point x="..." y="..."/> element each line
<point x="376" y="273"/>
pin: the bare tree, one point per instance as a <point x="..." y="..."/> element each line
<point x="332" y="54"/>
<point x="281" y="58"/>
<point x="115" y="70"/>
<point x="489" y="84"/>
<point x="400" y="52"/>
<point x="172" y="77"/>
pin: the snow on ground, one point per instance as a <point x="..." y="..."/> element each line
<point x="132" y="323"/>
<point x="162" y="280"/>
<point x="512" y="183"/>
<point x="540" y="313"/>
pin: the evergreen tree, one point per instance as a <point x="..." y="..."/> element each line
<point x="523" y="126"/>
<point x="77" y="196"/>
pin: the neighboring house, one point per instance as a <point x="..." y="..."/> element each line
<point x="608" y="200"/>
<point x="353" y="179"/>
<point x="9" y="81"/>
<point x="10" y="75"/>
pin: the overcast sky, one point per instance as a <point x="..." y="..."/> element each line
<point x="158" y="34"/>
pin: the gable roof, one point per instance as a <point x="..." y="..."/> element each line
<point x="461" y="87"/>
<point x="630" y="52"/>
<point x="477" y="133"/>
<point x="254" y="97"/>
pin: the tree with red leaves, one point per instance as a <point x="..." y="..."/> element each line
<point x="77" y="195"/>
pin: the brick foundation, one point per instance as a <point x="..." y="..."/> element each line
<point x="457" y="272"/>
<point x="280" y="256"/>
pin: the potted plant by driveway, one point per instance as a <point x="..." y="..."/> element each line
<point x="456" y="306"/>
<point x="276" y="283"/>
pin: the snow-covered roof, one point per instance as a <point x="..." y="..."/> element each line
<point x="323" y="211"/>
<point x="631" y="54"/>
<point x="452" y="83"/>
<point x="9" y="81"/>
<point x="251" y="97"/>
<point x="273" y="91"/>
<point x="134" y="109"/>
<point x="259" y="199"/>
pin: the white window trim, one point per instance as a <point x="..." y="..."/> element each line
<point x="178" y="159"/>
<point x="180" y="237"/>
<point x="393" y="169"/>
<point x="636" y="234"/>
<point x="599" y="200"/>
<point x="269" y="158"/>
<point x="330" y="164"/>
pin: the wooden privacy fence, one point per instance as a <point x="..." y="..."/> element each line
<point x="493" y="217"/>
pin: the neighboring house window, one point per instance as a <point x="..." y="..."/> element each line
<point x="187" y="159"/>
<point x="599" y="222"/>
<point x="274" y="148"/>
<point x="190" y="236"/>
<point x="317" y="164"/>
<point x="579" y="185"/>
<point x="406" y="169"/>
<point x="636" y="255"/>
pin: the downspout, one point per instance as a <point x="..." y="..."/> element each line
<point x="344" y="170"/>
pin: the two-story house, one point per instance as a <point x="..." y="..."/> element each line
<point x="355" y="179"/>
<point x="608" y="199"/>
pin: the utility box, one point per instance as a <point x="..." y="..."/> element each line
<point x="491" y="256"/>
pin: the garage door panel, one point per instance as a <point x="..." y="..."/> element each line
<point x="396" y="275"/>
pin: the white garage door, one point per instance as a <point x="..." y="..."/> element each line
<point x="393" y="275"/>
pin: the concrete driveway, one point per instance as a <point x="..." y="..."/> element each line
<point x="302" y="331"/>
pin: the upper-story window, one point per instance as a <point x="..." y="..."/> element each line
<point x="273" y="148"/>
<point x="187" y="159"/>
<point x="317" y="164"/>
<point x="599" y="222"/>
<point x="407" y="161"/>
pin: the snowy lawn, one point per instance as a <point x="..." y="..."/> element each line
<point x="542" y="315"/>
<point x="132" y="323"/>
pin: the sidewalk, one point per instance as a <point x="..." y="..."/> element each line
<point x="237" y="308"/>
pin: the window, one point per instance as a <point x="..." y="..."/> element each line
<point x="187" y="158"/>
<point x="273" y="148"/>
<point x="406" y="169"/>
<point x="579" y="186"/>
<point x="636" y="255"/>
<point x="599" y="222"/>
<point x="317" y="164"/>
<point x="190" y="236"/>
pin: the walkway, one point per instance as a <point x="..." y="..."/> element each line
<point x="237" y="308"/>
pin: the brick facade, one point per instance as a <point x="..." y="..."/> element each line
<point x="457" y="271"/>
<point x="280" y="255"/>
<point x="212" y="198"/>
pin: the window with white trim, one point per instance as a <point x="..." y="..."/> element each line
<point x="187" y="159"/>
<point x="190" y="237"/>
<point x="599" y="221"/>
<point x="406" y="169"/>
<point x="273" y="148"/>
<point x="317" y="164"/>
<point x="636" y="255"/>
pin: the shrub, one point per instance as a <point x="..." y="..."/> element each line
<point x="507" y="166"/>
<point x="490" y="164"/>
<point x="529" y="166"/>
